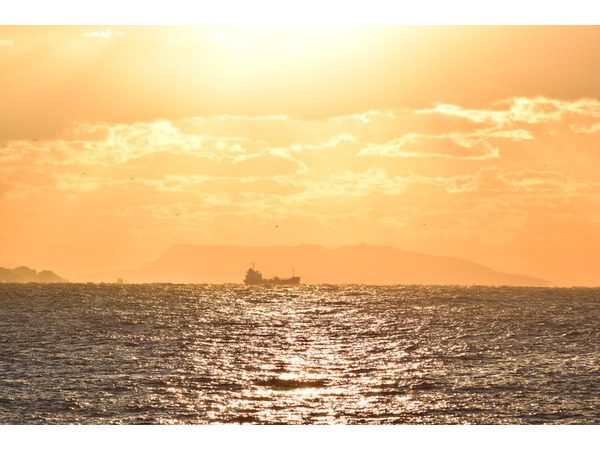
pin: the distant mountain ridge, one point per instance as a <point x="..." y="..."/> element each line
<point x="356" y="264"/>
<point x="26" y="275"/>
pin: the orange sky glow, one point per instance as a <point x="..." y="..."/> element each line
<point x="479" y="142"/>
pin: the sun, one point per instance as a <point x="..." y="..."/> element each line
<point x="275" y="45"/>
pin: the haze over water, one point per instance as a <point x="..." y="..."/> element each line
<point x="323" y="354"/>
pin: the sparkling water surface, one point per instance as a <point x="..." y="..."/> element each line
<point x="213" y="354"/>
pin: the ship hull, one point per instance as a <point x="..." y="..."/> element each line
<point x="274" y="282"/>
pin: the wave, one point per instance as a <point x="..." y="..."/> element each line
<point x="289" y="384"/>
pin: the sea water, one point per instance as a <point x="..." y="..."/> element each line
<point x="324" y="354"/>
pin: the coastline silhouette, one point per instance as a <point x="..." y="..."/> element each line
<point x="354" y="264"/>
<point x="24" y="274"/>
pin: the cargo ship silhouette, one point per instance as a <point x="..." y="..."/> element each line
<point x="254" y="277"/>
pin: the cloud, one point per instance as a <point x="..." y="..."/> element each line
<point x="589" y="129"/>
<point x="366" y="117"/>
<point x="517" y="134"/>
<point x="233" y="117"/>
<point x="336" y="142"/>
<point x="180" y="171"/>
<point x="108" y="144"/>
<point x="104" y="34"/>
<point x="274" y="129"/>
<point x="267" y="164"/>
<point x="473" y="115"/>
<point x="540" y="109"/>
<point x="522" y="110"/>
<point x="347" y="185"/>
<point x="442" y="132"/>
<point x="494" y="180"/>
<point x="309" y="163"/>
<point x="424" y="146"/>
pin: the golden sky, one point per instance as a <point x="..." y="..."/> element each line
<point x="478" y="142"/>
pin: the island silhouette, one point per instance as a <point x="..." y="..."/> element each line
<point x="353" y="264"/>
<point x="24" y="274"/>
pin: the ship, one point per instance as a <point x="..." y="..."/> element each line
<point x="254" y="277"/>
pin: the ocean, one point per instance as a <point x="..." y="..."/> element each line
<point x="323" y="354"/>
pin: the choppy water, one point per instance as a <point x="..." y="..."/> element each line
<point x="194" y="354"/>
